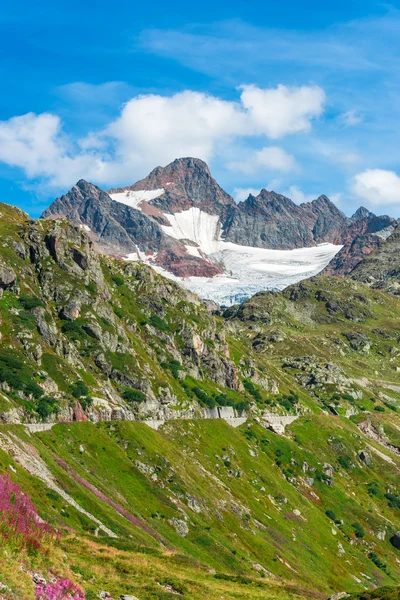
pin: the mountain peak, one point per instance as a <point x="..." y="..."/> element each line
<point x="184" y="183"/>
<point x="362" y="213"/>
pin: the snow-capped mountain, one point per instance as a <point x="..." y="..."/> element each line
<point x="179" y="220"/>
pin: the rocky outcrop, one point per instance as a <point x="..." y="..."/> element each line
<point x="7" y="277"/>
<point x="381" y="268"/>
<point x="186" y="182"/>
<point x="269" y="220"/>
<point x="136" y="221"/>
<point x="364" y="234"/>
<point x="395" y="540"/>
<point x="117" y="229"/>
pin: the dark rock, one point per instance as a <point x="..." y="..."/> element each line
<point x="395" y="540"/>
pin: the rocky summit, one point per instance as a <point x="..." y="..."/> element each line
<point x="155" y="445"/>
<point x="180" y="221"/>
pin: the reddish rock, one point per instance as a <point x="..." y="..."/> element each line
<point x="78" y="412"/>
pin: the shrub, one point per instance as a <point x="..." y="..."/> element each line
<point x="79" y="389"/>
<point x="358" y="530"/>
<point x="379" y="409"/>
<point x="46" y="406"/>
<point x="92" y="288"/>
<point x="172" y="365"/>
<point x="394" y="501"/>
<point x="205" y="399"/>
<point x="373" y="488"/>
<point x="118" y="280"/>
<point x="377" y="561"/>
<point x="73" y="329"/>
<point x="19" y="523"/>
<point x="159" y="323"/>
<point x="344" y="461"/>
<point x="252" y="390"/>
<point x="131" y="395"/>
<point x="29" y="302"/>
<point x="331" y="514"/>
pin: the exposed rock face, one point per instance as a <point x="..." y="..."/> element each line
<point x="328" y="221"/>
<point x="365" y="233"/>
<point x="269" y="220"/>
<point x="118" y="229"/>
<point x="7" y="277"/>
<point x="186" y="182"/>
<point x="142" y="220"/>
<point x="381" y="269"/>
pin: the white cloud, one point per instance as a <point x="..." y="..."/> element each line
<point x="279" y="111"/>
<point x="377" y="186"/>
<point x="269" y="157"/>
<point x="298" y="196"/>
<point x="154" y="129"/>
<point x="241" y="194"/>
<point x="350" y="118"/>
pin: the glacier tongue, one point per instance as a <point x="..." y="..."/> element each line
<point x="248" y="270"/>
<point x="251" y="270"/>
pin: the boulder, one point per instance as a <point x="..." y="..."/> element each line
<point x="7" y="277"/>
<point x="395" y="540"/>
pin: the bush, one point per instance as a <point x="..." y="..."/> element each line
<point x="29" y="302"/>
<point x="252" y="390"/>
<point x="394" y="501"/>
<point x="377" y="561"/>
<point x="15" y="373"/>
<point x="79" y="389"/>
<point x="344" y="461"/>
<point x="118" y="280"/>
<point x="358" y="530"/>
<point x="132" y="395"/>
<point x="331" y="514"/>
<point x="379" y="409"/>
<point x="159" y="323"/>
<point x="172" y="365"/>
<point x="373" y="488"/>
<point x="73" y="329"/>
<point x="46" y="406"/>
<point x="205" y="399"/>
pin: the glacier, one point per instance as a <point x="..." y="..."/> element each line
<point x="247" y="270"/>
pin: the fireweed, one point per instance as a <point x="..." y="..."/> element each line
<point x="19" y="521"/>
<point x="62" y="589"/>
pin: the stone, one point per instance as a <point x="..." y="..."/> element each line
<point x="180" y="526"/>
<point x="395" y="540"/>
<point x="339" y="596"/>
<point x="7" y="277"/>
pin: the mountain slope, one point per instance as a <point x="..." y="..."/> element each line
<point x="300" y="499"/>
<point x="381" y="268"/>
<point x="181" y="221"/>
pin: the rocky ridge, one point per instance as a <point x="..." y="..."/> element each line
<point x="179" y="219"/>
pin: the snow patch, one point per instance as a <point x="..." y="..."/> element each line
<point x="134" y="198"/>
<point x="195" y="225"/>
<point x="248" y="270"/>
<point x="251" y="270"/>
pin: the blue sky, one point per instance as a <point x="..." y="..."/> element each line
<point x="298" y="96"/>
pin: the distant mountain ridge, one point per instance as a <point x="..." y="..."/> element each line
<point x="182" y="222"/>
